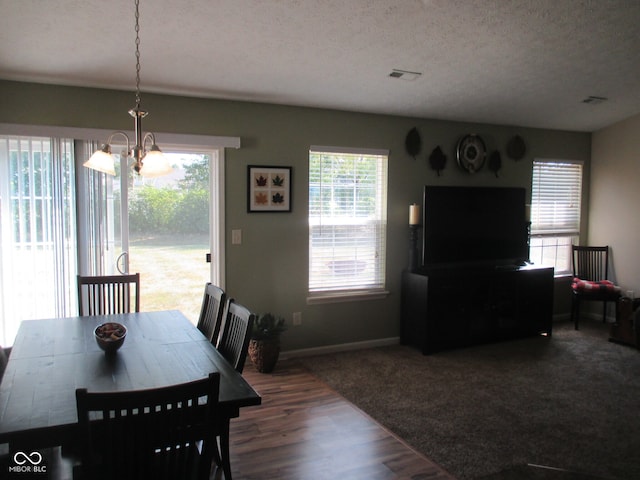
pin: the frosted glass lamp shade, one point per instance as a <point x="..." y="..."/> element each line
<point x="102" y="161"/>
<point x="155" y="164"/>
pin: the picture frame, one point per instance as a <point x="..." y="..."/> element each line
<point x="268" y="188"/>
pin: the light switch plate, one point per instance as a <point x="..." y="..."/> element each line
<point x="236" y="237"/>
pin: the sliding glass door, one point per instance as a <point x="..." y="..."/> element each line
<point x="162" y="231"/>
<point x="59" y="219"/>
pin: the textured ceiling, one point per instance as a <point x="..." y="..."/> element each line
<point x="520" y="62"/>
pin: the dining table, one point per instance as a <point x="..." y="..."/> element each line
<point x="53" y="357"/>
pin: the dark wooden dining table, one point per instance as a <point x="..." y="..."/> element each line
<point x="52" y="358"/>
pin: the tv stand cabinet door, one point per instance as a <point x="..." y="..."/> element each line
<point x="414" y="299"/>
<point x="535" y="301"/>
<point x="453" y="311"/>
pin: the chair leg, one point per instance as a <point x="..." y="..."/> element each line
<point x="604" y="312"/>
<point x="224" y="448"/>
<point x="576" y="312"/>
<point x="216" y="455"/>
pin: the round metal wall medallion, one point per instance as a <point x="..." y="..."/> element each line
<point x="471" y="153"/>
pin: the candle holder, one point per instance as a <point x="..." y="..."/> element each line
<point x="529" y="243"/>
<point x="413" y="247"/>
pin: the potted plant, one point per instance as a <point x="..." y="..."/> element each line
<point x="264" y="346"/>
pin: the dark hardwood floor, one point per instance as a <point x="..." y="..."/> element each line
<point x="306" y="431"/>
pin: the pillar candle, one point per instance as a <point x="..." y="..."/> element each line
<point x="414" y="214"/>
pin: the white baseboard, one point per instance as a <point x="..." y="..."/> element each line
<point x="384" y="342"/>
<point x="343" y="347"/>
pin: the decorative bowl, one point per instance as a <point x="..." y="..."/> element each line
<point x="110" y="336"/>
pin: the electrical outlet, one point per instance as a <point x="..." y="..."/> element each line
<point x="236" y="237"/>
<point x="297" y="319"/>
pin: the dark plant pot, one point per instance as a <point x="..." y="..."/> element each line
<point x="264" y="354"/>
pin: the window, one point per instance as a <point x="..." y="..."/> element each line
<point x="347" y="222"/>
<point x="555" y="212"/>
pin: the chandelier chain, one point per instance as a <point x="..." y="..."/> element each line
<point x="137" y="54"/>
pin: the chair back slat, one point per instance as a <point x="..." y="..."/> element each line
<point x="211" y="312"/>
<point x="162" y="433"/>
<point x="591" y="263"/>
<point x="234" y="341"/>
<point x="108" y="294"/>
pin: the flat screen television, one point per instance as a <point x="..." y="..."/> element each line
<point x="474" y="225"/>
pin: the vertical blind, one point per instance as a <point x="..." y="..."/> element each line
<point x="347" y="219"/>
<point x="38" y="254"/>
<point x="556" y="197"/>
<point x="96" y="220"/>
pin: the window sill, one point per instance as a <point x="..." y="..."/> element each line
<point x="563" y="275"/>
<point x="353" y="296"/>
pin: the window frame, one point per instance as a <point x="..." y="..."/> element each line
<point x="553" y="233"/>
<point x="333" y="291"/>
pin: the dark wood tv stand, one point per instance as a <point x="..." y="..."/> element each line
<point x="446" y="307"/>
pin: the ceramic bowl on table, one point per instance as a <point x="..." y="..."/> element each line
<point x="110" y="336"/>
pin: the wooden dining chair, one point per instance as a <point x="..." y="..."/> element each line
<point x="211" y="312"/>
<point x="234" y="341"/>
<point x="4" y="359"/>
<point x="108" y="294"/>
<point x="591" y="279"/>
<point x="160" y="433"/>
<point x="233" y="345"/>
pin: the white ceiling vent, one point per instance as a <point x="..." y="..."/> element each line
<point x="404" y="74"/>
<point x="592" y="100"/>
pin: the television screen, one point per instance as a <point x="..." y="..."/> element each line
<point x="484" y="225"/>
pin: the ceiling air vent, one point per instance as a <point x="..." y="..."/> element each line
<point x="592" y="100"/>
<point x="404" y="74"/>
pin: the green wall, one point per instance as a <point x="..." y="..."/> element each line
<point x="269" y="270"/>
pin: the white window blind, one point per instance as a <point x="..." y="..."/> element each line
<point x="555" y="213"/>
<point x="556" y="197"/>
<point x="347" y="220"/>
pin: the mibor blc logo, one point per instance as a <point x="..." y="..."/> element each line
<point x="27" y="463"/>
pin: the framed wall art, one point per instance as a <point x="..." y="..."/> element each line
<point x="268" y="189"/>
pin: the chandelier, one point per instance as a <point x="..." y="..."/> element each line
<point x="148" y="163"/>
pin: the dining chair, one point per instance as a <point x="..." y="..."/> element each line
<point x="108" y="294"/>
<point x="591" y="279"/>
<point x="4" y="359"/>
<point x="234" y="341"/>
<point x="233" y="345"/>
<point x="211" y="312"/>
<point x="160" y="433"/>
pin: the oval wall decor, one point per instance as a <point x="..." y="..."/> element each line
<point x="495" y="162"/>
<point x="516" y="148"/>
<point x="413" y="142"/>
<point x="437" y="159"/>
<point x="471" y="153"/>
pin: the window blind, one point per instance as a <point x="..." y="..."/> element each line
<point x="347" y="220"/>
<point x="556" y="197"/>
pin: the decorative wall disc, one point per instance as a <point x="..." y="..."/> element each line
<point x="471" y="153"/>
<point x="516" y="148"/>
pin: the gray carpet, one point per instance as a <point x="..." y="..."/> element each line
<point x="570" y="402"/>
